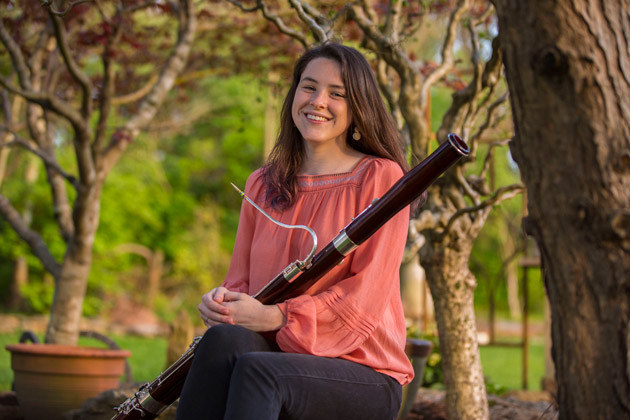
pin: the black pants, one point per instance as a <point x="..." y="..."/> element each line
<point x="237" y="374"/>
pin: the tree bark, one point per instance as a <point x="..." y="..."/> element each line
<point x="452" y="287"/>
<point x="568" y="71"/>
<point x="71" y="283"/>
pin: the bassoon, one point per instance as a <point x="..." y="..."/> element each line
<point x="153" y="398"/>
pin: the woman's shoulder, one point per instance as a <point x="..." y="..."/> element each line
<point x="254" y="183"/>
<point x="378" y="168"/>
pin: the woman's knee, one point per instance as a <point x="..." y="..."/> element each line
<point x="229" y="339"/>
<point x="255" y="370"/>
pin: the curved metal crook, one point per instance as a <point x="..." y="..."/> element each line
<point x="300" y="264"/>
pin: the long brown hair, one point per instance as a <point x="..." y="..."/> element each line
<point x="379" y="135"/>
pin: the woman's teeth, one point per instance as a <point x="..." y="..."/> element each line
<point x="316" y="117"/>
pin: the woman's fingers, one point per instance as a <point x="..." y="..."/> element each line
<point x="212" y="310"/>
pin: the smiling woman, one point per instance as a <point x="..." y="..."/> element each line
<point x="336" y="351"/>
<point x="320" y="112"/>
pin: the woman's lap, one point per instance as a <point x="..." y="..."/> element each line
<point x="264" y="383"/>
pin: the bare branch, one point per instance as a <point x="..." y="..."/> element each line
<point x="389" y="92"/>
<point x="16" y="57"/>
<point x="138" y="6"/>
<point x="391" y="52"/>
<point x="149" y="105"/>
<point x="138" y="94"/>
<point x="32" y="238"/>
<point x="71" y="4"/>
<point x="47" y="101"/>
<point x="107" y="92"/>
<point x="392" y="21"/>
<point x="282" y="27"/>
<point x="485" y="15"/>
<point x="259" y="6"/>
<point x="368" y="10"/>
<point x="491" y="116"/>
<point x="15" y="139"/>
<point x="466" y="104"/>
<point x="411" y="28"/>
<point x="412" y="247"/>
<point x="500" y="195"/>
<point x="489" y="155"/>
<point x="319" y="32"/>
<point x="475" y="86"/>
<point x="425" y="220"/>
<point x="273" y="18"/>
<point x="73" y="68"/>
<point x="320" y="18"/>
<point x="447" y="47"/>
<point x="465" y="185"/>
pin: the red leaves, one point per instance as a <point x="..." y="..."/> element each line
<point x="121" y="135"/>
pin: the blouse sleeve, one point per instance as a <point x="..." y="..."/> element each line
<point x="338" y="320"/>
<point x="237" y="277"/>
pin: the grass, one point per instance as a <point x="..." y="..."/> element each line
<point x="502" y="365"/>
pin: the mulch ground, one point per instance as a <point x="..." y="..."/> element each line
<point x="517" y="405"/>
<point x="429" y="406"/>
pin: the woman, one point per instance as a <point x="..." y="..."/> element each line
<point x="336" y="352"/>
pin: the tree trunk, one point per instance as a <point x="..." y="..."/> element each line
<point x="18" y="280"/>
<point x="568" y="70"/>
<point x="67" y="307"/>
<point x="452" y="287"/>
<point x="411" y="282"/>
<point x="71" y="283"/>
<point x="4" y="158"/>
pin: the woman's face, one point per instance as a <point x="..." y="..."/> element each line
<point x="320" y="109"/>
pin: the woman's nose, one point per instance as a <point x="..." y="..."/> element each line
<point x="318" y="99"/>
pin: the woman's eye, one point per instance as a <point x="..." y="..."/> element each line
<point x="338" y="94"/>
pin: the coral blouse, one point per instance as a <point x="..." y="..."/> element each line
<point x="354" y="312"/>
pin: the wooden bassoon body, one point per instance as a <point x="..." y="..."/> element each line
<point x="153" y="398"/>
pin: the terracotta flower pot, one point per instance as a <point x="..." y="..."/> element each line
<point x="53" y="379"/>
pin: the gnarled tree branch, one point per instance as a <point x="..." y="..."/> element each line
<point x="149" y="105"/>
<point x="32" y="238"/>
<point x="273" y="18"/>
<point x="15" y="139"/>
<point x="500" y="195"/>
<point x="316" y="28"/>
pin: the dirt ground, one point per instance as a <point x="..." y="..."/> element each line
<point x="517" y="405"/>
<point x="429" y="406"/>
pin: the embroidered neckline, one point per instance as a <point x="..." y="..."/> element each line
<point x="310" y="181"/>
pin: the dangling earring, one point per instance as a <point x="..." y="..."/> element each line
<point x="356" y="135"/>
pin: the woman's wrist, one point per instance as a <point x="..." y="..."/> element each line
<point x="274" y="317"/>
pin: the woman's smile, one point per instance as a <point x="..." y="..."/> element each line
<point x="320" y="110"/>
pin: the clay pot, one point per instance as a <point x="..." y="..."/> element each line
<point x="52" y="379"/>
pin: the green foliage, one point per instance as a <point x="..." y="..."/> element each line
<point x="38" y="295"/>
<point x="494" y="388"/>
<point x="171" y="193"/>
<point x="499" y="246"/>
<point x="433" y="372"/>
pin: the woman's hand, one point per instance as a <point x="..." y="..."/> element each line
<point x="220" y="306"/>
<point x="212" y="308"/>
<point x="248" y="312"/>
